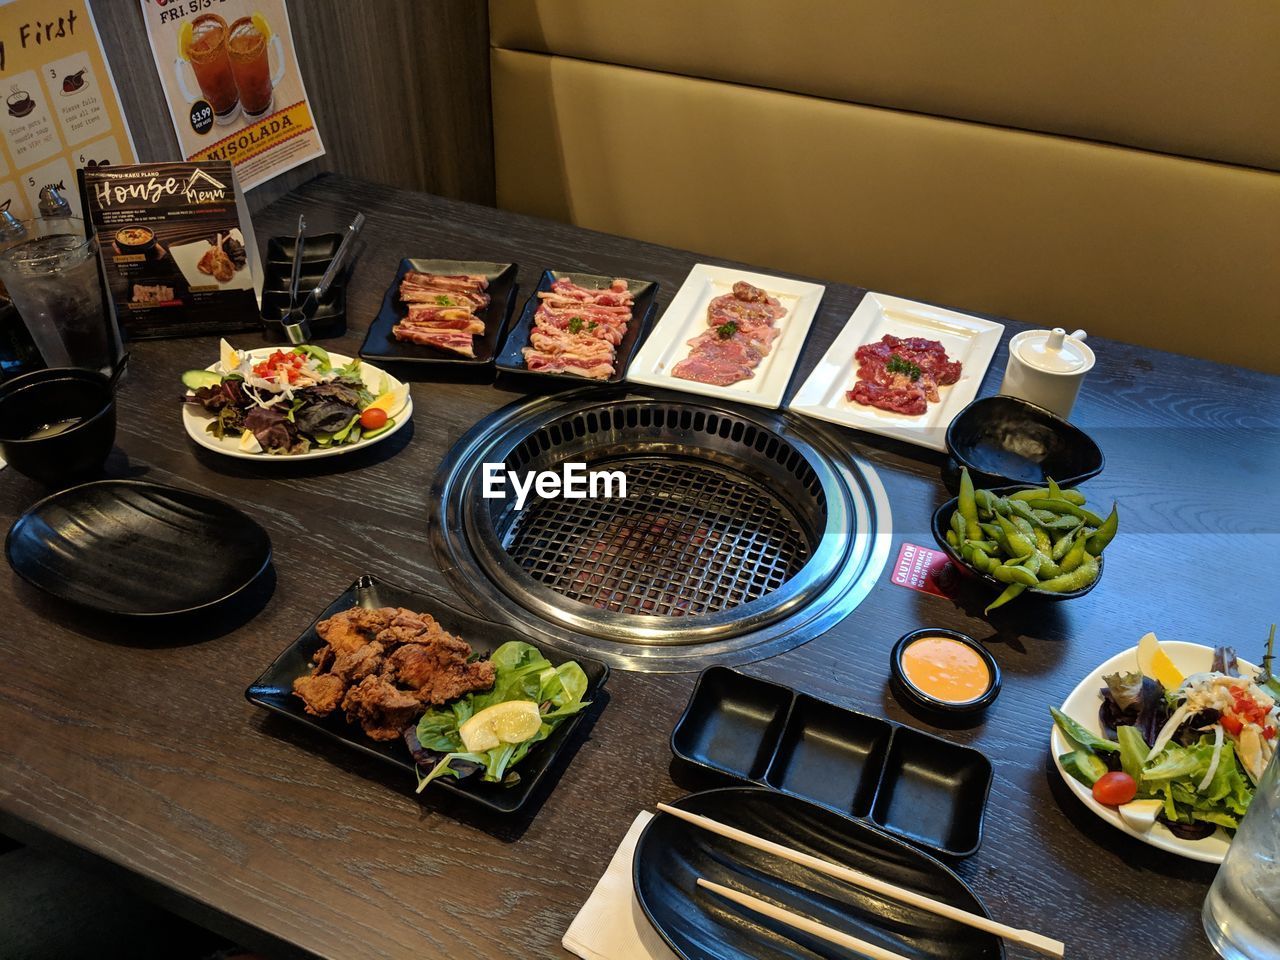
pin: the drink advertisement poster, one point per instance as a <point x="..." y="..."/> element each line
<point x="177" y="247"/>
<point x="60" y="107"/>
<point x="231" y="79"/>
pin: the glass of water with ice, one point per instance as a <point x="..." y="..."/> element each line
<point x="1242" y="911"/>
<point x="52" y="277"/>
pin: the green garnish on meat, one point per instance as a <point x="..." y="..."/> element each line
<point x="576" y="324"/>
<point x="897" y="364"/>
<point x="726" y="330"/>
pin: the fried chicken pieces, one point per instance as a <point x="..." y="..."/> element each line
<point x="385" y="666"/>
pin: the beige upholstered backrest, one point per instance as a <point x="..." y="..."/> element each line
<point x="1103" y="165"/>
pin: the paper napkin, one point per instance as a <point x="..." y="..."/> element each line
<point x="611" y="925"/>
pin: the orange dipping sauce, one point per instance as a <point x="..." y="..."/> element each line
<point x="945" y="669"/>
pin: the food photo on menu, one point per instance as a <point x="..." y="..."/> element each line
<point x="512" y="481"/>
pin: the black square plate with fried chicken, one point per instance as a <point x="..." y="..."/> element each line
<point x="378" y="685"/>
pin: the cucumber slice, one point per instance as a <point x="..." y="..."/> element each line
<point x="370" y="434"/>
<point x="195" y="379"/>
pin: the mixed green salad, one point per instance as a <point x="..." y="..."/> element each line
<point x="494" y="730"/>
<point x="1185" y="751"/>
<point x="292" y="400"/>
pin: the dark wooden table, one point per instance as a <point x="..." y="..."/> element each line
<point x="134" y="747"/>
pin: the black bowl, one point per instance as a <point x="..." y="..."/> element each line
<point x="36" y="400"/>
<point x="942" y="522"/>
<point x="915" y="695"/>
<point x="1009" y="440"/>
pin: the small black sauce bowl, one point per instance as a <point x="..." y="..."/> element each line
<point x="1006" y="440"/>
<point x="48" y="396"/>
<point x="918" y="698"/>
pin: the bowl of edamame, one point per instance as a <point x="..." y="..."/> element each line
<point x="1022" y="539"/>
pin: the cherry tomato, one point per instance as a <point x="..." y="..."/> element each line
<point x="1113" y="789"/>
<point x="373" y="419"/>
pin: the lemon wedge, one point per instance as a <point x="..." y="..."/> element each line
<point x="392" y="402"/>
<point x="1155" y="663"/>
<point x="185" y="35"/>
<point x="512" y="722"/>
<point x="260" y="22"/>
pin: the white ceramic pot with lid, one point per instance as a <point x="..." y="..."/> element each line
<point x="1047" y="368"/>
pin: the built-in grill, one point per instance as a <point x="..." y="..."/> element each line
<point x="744" y="532"/>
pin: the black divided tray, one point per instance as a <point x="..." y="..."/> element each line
<point x="330" y="318"/>
<point x="920" y="787"/>
<point x="644" y="294"/>
<point x="381" y="345"/>
<point x="274" y="691"/>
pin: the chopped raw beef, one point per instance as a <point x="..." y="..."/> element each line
<point x="902" y="375"/>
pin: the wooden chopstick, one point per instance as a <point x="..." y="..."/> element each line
<point x="1036" y="941"/>
<point x="820" y="930"/>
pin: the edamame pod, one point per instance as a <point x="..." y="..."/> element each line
<point x="1105" y="533"/>
<point x="1043" y="543"/>
<point x="1064" y="506"/>
<point x="1011" y="591"/>
<point x="968" y="505"/>
<point x="1077" y="579"/>
<point x="1071" y="496"/>
<point x="1018" y="543"/>
<point x="1075" y="556"/>
<point x="1062" y="546"/>
<point x="1021" y="575"/>
<point x="953" y="540"/>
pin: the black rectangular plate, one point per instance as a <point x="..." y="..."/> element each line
<point x="830" y="755"/>
<point x="933" y="792"/>
<point x="380" y="345"/>
<point x="275" y="303"/>
<point x="732" y="723"/>
<point x="645" y="293"/>
<point x="321" y="246"/>
<point x="274" y="691"/>
<point x="864" y="767"/>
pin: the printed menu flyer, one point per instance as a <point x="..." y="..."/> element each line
<point x="61" y="110"/>
<point x="230" y="75"/>
<point x="176" y="246"/>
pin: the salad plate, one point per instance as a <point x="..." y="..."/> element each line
<point x="315" y="367"/>
<point x="1082" y="706"/>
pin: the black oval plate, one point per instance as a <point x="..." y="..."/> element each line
<point x="137" y="549"/>
<point x="700" y="925"/>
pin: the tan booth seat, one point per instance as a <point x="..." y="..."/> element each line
<point x="946" y="152"/>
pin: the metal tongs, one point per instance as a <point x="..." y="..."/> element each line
<point x="296" y="322"/>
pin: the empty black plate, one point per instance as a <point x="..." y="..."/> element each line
<point x="643" y="292"/>
<point x="700" y="925"/>
<point x="137" y="549"/>
<point x="274" y="691"/>
<point x="1009" y="440"/>
<point x="381" y="344"/>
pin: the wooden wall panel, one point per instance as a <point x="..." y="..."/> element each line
<point x="400" y="91"/>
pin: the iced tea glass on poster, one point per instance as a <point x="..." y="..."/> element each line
<point x="248" y="44"/>
<point x="52" y="277"/>
<point x="1242" y="911"/>
<point x="204" y="47"/>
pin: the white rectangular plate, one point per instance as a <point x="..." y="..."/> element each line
<point x="971" y="340"/>
<point x="686" y="317"/>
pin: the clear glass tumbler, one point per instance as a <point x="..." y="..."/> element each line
<point x="52" y="278"/>
<point x="1242" y="911"/>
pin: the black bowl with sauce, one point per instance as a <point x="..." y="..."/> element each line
<point x="131" y="240"/>
<point x="915" y="689"/>
<point x="57" y="425"/>
<point x="1005" y="440"/>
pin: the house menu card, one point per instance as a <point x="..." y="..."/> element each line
<point x="59" y="109"/>
<point x="230" y="74"/>
<point x="176" y="246"/>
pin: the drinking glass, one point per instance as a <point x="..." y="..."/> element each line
<point x="1242" y="911"/>
<point x="206" y="52"/>
<point x="248" y="45"/>
<point x="52" y="278"/>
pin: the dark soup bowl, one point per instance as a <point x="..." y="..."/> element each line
<point x="57" y="425"/>
<point x="1004" y="440"/>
